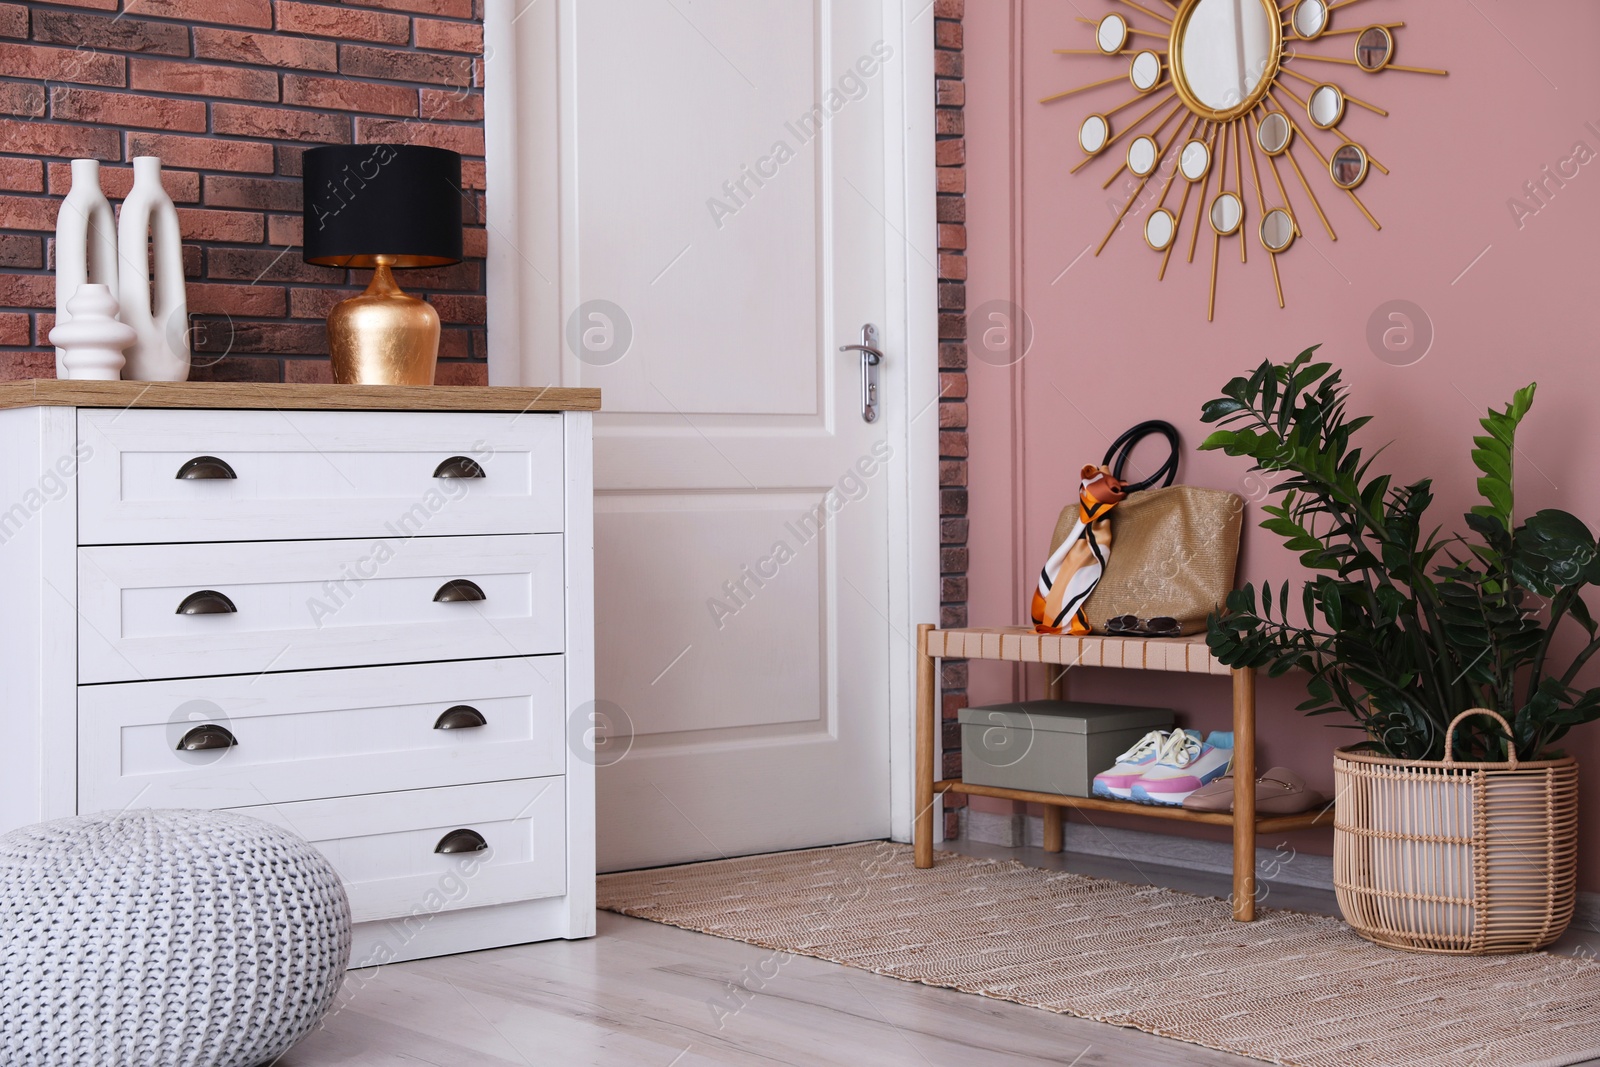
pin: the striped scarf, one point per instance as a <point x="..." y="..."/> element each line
<point x="1073" y="570"/>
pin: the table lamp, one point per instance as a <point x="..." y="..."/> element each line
<point x="383" y="207"/>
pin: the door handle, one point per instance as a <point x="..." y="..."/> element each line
<point x="871" y="359"/>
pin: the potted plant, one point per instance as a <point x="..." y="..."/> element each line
<point x="1455" y="828"/>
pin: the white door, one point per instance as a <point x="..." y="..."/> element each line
<point x="723" y="191"/>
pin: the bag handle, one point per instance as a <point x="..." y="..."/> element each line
<point x="1450" y="735"/>
<point x="1126" y="444"/>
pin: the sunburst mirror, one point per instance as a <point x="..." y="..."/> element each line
<point x="1215" y="79"/>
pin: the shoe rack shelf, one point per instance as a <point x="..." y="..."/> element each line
<point x="1183" y="655"/>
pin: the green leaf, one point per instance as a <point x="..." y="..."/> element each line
<point x="1220" y="408"/>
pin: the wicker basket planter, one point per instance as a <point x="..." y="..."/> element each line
<point x="1462" y="858"/>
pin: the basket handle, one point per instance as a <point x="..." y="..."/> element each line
<point x="1450" y="734"/>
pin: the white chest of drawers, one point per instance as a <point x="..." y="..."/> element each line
<point x="363" y="614"/>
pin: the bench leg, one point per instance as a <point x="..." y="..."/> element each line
<point x="1052" y="828"/>
<point x="1244" y="795"/>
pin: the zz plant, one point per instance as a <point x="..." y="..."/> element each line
<point x="1403" y="627"/>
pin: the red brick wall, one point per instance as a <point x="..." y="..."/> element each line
<point x="229" y="93"/>
<point x="951" y="157"/>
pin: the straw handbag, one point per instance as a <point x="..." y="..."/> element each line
<point x="1176" y="548"/>
<point x="1460" y="858"/>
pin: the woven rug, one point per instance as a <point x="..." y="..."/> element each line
<point x="1294" y="989"/>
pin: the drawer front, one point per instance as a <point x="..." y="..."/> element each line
<point x="385" y="847"/>
<point x="315" y="734"/>
<point x="300" y="605"/>
<point x="298" y="475"/>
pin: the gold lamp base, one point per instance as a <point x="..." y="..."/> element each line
<point x="383" y="336"/>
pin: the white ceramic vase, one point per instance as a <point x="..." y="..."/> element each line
<point x="91" y="339"/>
<point x="86" y="241"/>
<point x="148" y="232"/>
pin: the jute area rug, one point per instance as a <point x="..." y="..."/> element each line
<point x="1294" y="989"/>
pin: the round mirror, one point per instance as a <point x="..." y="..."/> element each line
<point x="1273" y="134"/>
<point x="1227" y="54"/>
<point x="1374" y="48"/>
<point x="1142" y="156"/>
<point x="1194" y="161"/>
<point x="1111" y="34"/>
<point x="1348" y="166"/>
<point x="1326" y="106"/>
<point x="1277" y="230"/>
<point x="1145" y="71"/>
<point x="1310" y="18"/>
<point x="1227" y="213"/>
<point x="1159" y="230"/>
<point x="1093" y="134"/>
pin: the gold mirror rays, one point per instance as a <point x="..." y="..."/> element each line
<point x="1219" y="81"/>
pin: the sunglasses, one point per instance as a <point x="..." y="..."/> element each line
<point x="1133" y="626"/>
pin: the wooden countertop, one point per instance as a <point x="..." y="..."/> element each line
<point x="52" y="392"/>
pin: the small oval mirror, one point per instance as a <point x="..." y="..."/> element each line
<point x="1142" y="156"/>
<point x="1326" y="106"/>
<point x="1348" y="166"/>
<point x="1194" y="161"/>
<point x="1111" y="34"/>
<point x="1277" y="230"/>
<point x="1227" y="213"/>
<point x="1310" y="19"/>
<point x="1092" y="135"/>
<point x="1159" y="229"/>
<point x="1273" y="134"/>
<point x="1374" y="48"/>
<point x="1145" y="71"/>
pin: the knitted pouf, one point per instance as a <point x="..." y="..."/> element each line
<point x="170" y="938"/>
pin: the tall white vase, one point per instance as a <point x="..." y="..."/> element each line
<point x="86" y="242"/>
<point x="148" y="232"/>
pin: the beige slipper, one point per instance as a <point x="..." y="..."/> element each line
<point x="1279" y="791"/>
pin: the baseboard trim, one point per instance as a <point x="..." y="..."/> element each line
<point x="1141" y="846"/>
<point x="1216" y="857"/>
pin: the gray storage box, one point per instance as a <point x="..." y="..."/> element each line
<point x="1050" y="746"/>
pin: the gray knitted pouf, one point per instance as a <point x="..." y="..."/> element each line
<point x="170" y="938"/>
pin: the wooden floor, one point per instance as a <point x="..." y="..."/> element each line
<point x="645" y="995"/>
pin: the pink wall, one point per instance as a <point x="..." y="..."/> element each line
<point x="1112" y="346"/>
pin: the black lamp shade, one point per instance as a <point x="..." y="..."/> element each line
<point x="401" y="202"/>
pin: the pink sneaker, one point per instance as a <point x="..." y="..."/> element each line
<point x="1117" y="783"/>
<point x="1184" y="768"/>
